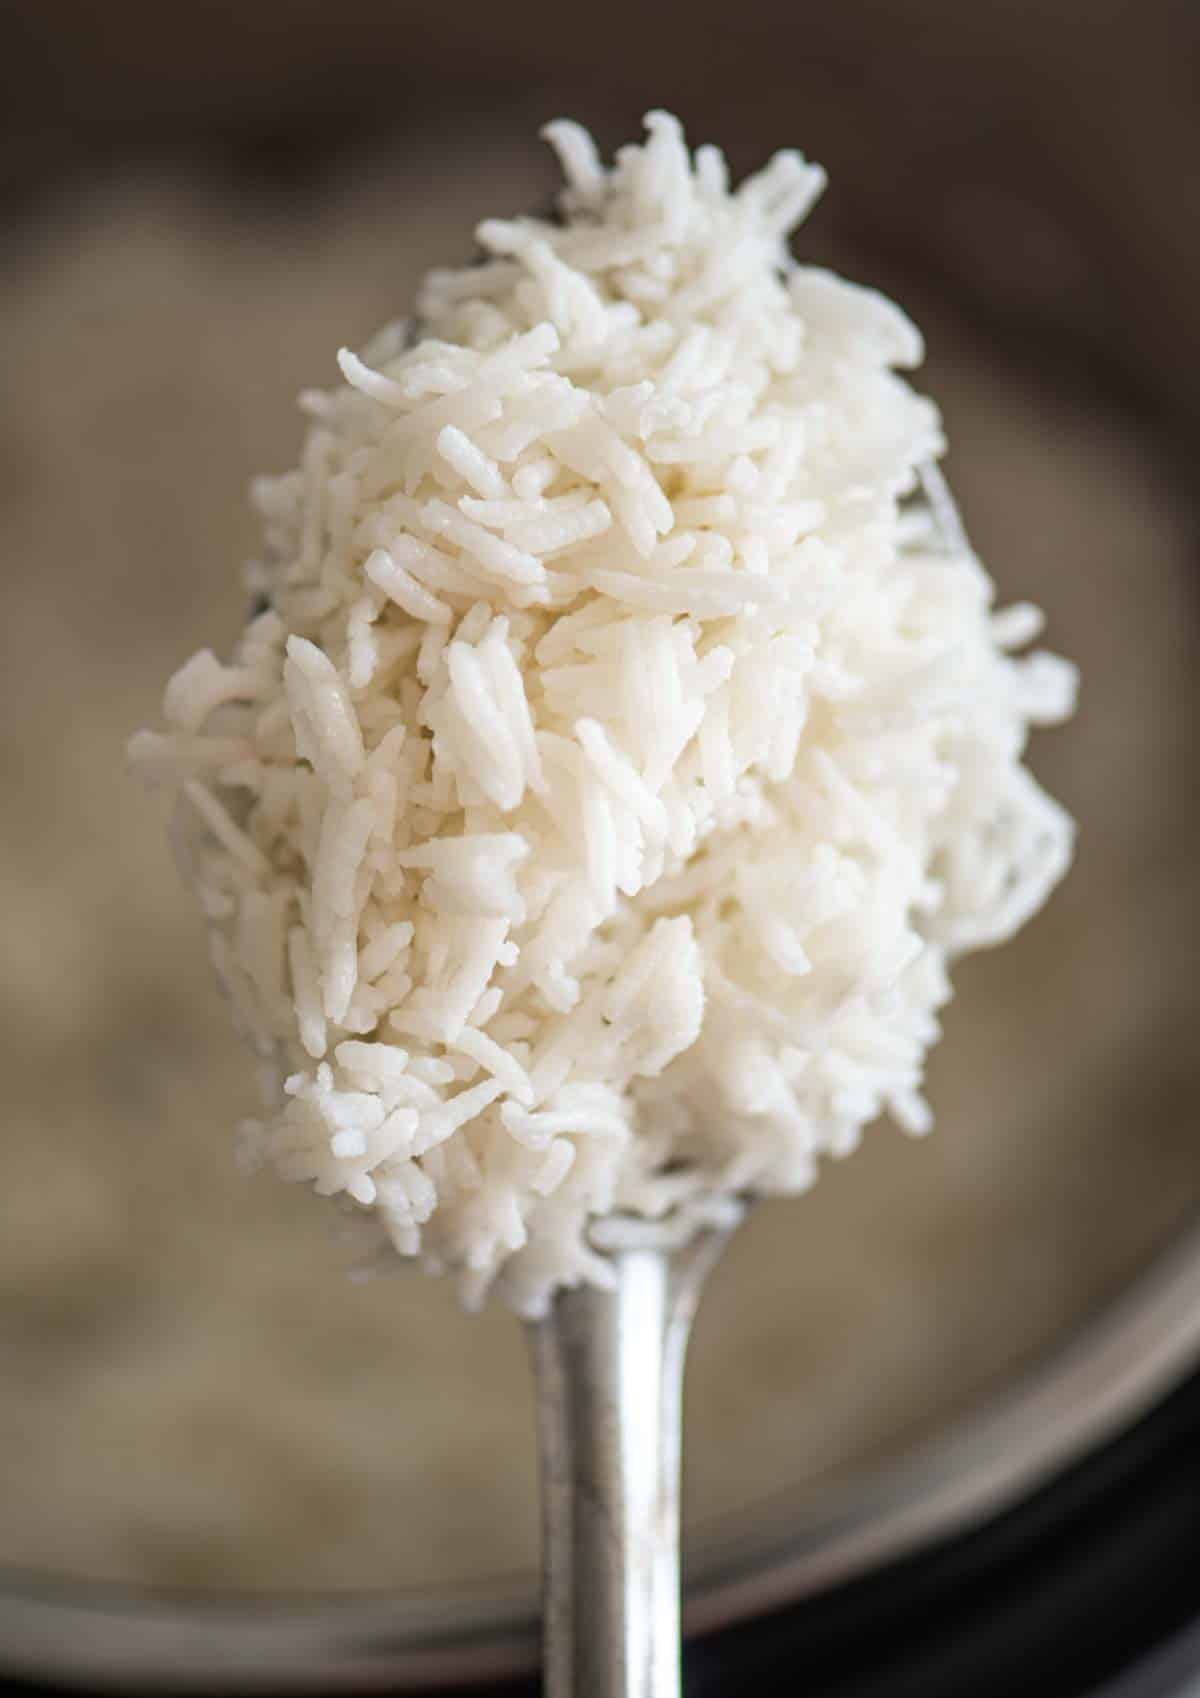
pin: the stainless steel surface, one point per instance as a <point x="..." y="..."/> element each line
<point x="1171" y="1672"/>
<point x="609" y="1368"/>
<point x="1134" y="1352"/>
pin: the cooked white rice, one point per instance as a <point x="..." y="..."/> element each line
<point x="586" y="826"/>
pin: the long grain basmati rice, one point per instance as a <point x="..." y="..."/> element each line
<point x="588" y="823"/>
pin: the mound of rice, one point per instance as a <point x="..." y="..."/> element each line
<point x="586" y="825"/>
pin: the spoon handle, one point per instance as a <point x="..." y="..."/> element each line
<point x="609" y="1368"/>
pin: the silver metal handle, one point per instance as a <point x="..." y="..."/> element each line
<point x="609" y="1368"/>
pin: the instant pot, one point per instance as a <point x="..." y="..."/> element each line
<point x="1049" y="1543"/>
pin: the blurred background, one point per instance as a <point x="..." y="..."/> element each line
<point x="198" y="205"/>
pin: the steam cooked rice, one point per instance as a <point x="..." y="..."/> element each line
<point x="587" y="823"/>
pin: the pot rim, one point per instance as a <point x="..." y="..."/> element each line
<point x="1097" y="1382"/>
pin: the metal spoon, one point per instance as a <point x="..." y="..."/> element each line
<point x="609" y="1368"/>
<point x="609" y="1372"/>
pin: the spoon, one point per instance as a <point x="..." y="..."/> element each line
<point x="608" y="1366"/>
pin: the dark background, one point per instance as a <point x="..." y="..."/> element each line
<point x="1045" y="153"/>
